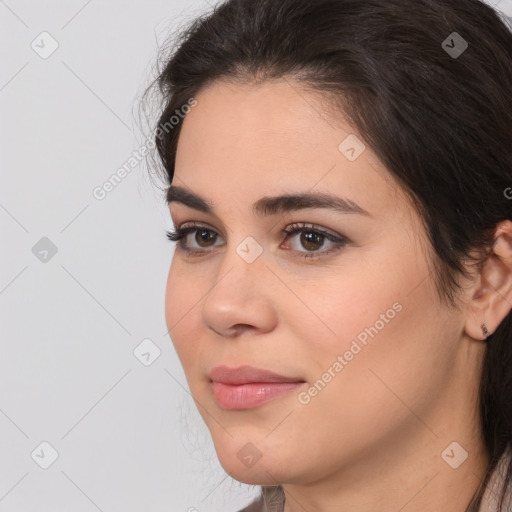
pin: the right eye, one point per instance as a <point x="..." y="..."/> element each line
<point x="203" y="238"/>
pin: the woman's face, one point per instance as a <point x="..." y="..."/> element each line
<point x="356" y="326"/>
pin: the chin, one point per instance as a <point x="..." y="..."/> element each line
<point x="252" y="462"/>
<point x="261" y="473"/>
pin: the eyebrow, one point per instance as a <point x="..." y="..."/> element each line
<point x="271" y="205"/>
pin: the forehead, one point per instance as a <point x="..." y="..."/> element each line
<point x="230" y="112"/>
<point x="244" y="141"/>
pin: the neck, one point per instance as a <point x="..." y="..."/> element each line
<point x="415" y="479"/>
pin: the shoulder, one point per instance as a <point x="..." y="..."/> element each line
<point x="498" y="480"/>
<point x="255" y="506"/>
<point x="271" y="499"/>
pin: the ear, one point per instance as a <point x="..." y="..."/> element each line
<point x="491" y="300"/>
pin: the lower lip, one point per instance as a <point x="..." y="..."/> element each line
<point x="249" y="396"/>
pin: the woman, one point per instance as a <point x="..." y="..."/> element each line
<point x="341" y="289"/>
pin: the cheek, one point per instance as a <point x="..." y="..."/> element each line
<point x="342" y="309"/>
<point x="389" y="349"/>
<point x="372" y="333"/>
<point x="182" y="311"/>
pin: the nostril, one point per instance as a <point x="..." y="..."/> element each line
<point x="241" y="328"/>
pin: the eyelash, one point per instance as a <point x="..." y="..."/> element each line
<point x="180" y="234"/>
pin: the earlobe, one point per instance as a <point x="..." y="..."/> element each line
<point x="492" y="299"/>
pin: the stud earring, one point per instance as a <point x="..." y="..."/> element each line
<point x="485" y="331"/>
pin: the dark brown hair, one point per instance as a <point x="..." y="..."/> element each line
<point x="441" y="123"/>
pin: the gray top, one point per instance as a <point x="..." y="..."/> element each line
<point x="270" y="500"/>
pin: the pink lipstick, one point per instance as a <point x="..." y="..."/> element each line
<point x="245" y="387"/>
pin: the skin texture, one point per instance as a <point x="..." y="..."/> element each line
<point x="372" y="438"/>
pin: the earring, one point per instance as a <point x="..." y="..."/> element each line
<point x="485" y="331"/>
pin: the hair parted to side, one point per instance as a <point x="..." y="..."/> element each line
<point x="441" y="125"/>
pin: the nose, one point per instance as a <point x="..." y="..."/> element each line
<point x="240" y="298"/>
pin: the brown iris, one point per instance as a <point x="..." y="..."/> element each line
<point x="205" y="236"/>
<point x="311" y="241"/>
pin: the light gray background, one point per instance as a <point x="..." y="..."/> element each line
<point x="127" y="434"/>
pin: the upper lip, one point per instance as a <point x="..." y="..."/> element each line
<point x="246" y="374"/>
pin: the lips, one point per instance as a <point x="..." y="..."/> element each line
<point x="247" y="375"/>
<point x="246" y="387"/>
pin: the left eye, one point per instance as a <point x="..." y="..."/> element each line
<point x="311" y="239"/>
